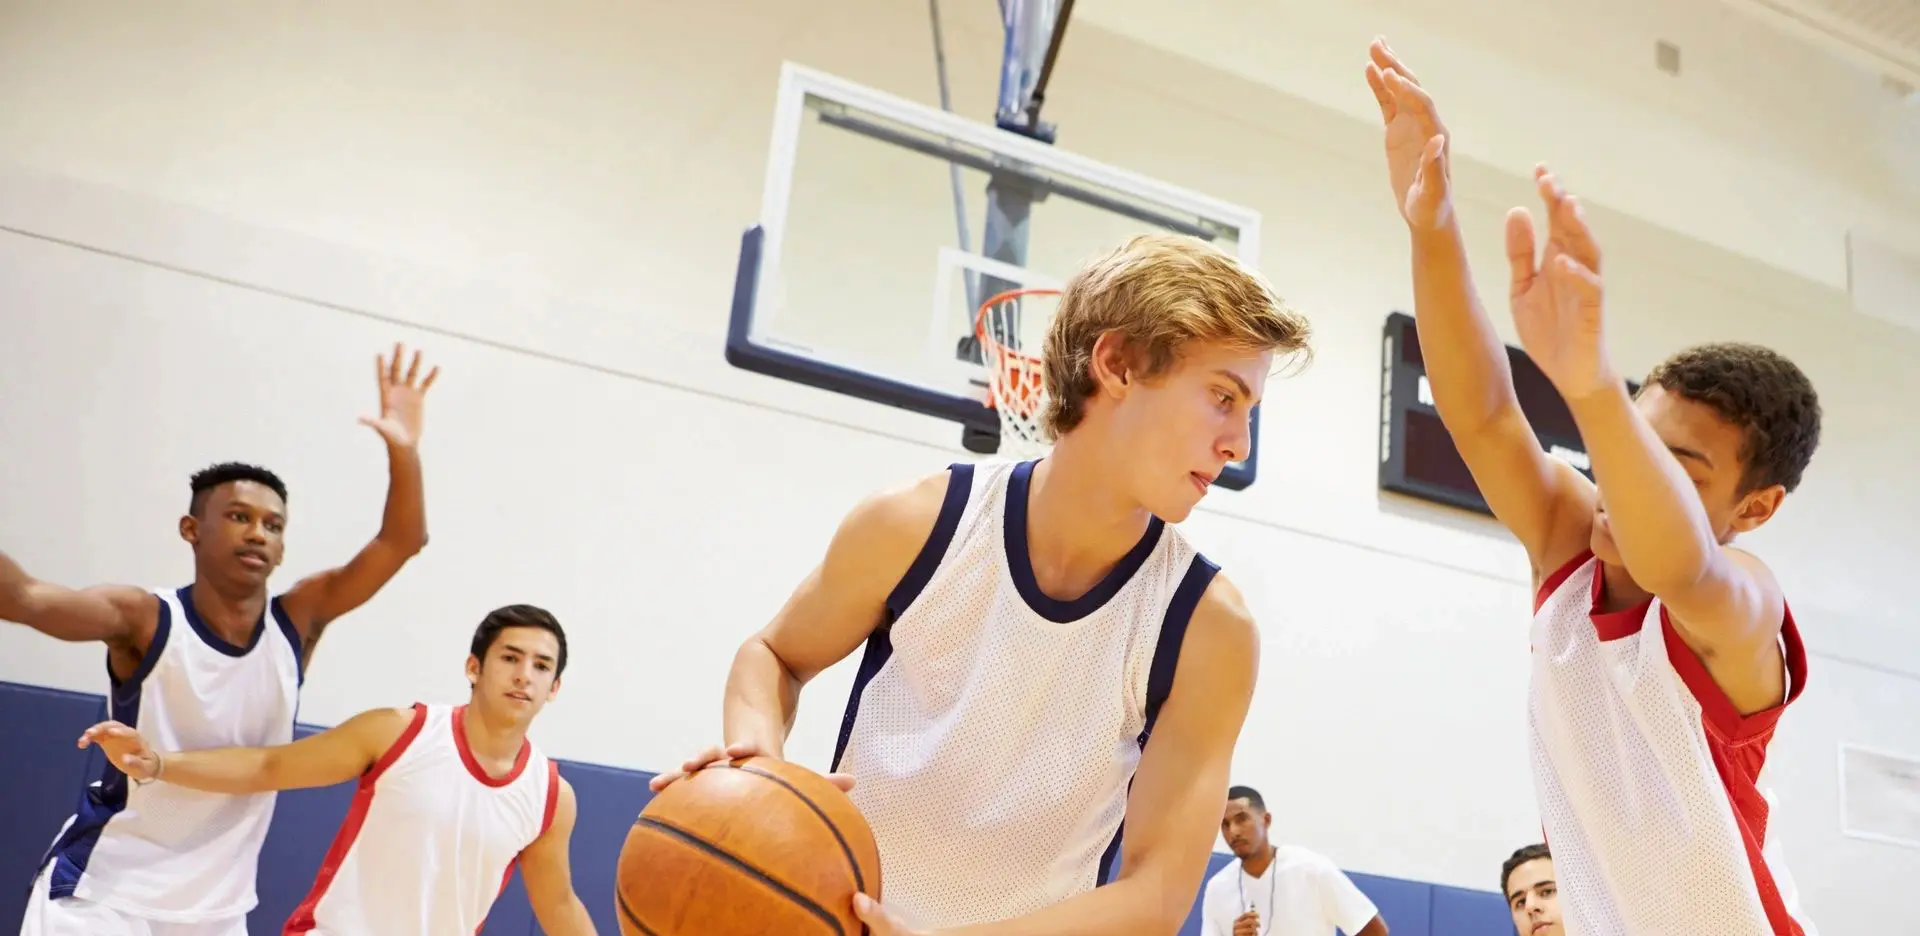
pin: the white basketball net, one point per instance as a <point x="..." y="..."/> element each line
<point x="1009" y="327"/>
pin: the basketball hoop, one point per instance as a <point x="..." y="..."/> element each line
<point x="1016" y="380"/>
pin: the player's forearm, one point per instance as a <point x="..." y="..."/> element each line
<point x="762" y="697"/>
<point x="1652" y="509"/>
<point x="403" y="524"/>
<point x="565" y="917"/>
<point x="1466" y="362"/>
<point x="1127" y="907"/>
<point x="220" y="770"/>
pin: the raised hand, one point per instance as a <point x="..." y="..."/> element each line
<point x="739" y="750"/>
<point x="125" y="749"/>
<point x="402" y="397"/>
<point x="1417" y="148"/>
<point x="1557" y="294"/>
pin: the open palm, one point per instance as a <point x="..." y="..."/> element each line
<point x="1556" y="292"/>
<point x="402" y="398"/>
<point x="1416" y="140"/>
<point x="124" y="748"/>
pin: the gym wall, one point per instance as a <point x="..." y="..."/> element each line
<point x="214" y="220"/>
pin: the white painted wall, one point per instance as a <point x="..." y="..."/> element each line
<point x="216" y="213"/>
<point x="1766" y="146"/>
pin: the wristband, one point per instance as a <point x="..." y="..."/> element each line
<point x="159" y="765"/>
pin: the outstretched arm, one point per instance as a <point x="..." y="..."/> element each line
<point x="1722" y="598"/>
<point x="546" y="868"/>
<point x="1543" y="500"/>
<point x="835" y="608"/>
<point x="1173" y="810"/>
<point x="315" y="601"/>
<point x="336" y="755"/>
<point x="118" y="615"/>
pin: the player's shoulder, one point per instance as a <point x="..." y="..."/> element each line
<point x="1222" y="641"/>
<point x="1222" y="615"/>
<point x="1755" y="566"/>
<point x="900" y="516"/>
<point x="563" y="798"/>
<point x="135" y="605"/>
<point x="1297" y="856"/>
<point x="379" y="729"/>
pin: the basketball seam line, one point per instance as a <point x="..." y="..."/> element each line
<point x="859" y="880"/>
<point x="716" y="851"/>
<point x="632" y="917"/>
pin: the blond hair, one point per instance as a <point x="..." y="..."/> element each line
<point x="1158" y="292"/>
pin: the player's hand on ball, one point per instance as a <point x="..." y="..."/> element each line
<point x="739" y="750"/>
<point x="881" y="921"/>
<point x="124" y="748"/>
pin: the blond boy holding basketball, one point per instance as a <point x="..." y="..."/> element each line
<point x="1046" y="659"/>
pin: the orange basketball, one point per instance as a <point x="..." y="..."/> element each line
<point x="749" y="847"/>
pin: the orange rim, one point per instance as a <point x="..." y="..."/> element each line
<point x="1017" y="359"/>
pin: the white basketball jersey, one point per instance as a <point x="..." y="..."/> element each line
<point x="1648" y="778"/>
<point x="993" y="730"/>
<point x="430" y="839"/>
<point x="163" y="852"/>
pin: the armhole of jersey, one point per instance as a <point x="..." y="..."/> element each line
<point x="1793" y="654"/>
<point x="553" y="795"/>
<point x="879" y="644"/>
<point x="1552" y="583"/>
<point x="125" y="694"/>
<point x="1719" y="710"/>
<point x="287" y="630"/>
<point x="399" y="745"/>
<point x="959" y="487"/>
<point x="1173" y="635"/>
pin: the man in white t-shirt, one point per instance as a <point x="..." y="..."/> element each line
<point x="1279" y="890"/>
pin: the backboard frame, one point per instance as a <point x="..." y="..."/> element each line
<point x="805" y="91"/>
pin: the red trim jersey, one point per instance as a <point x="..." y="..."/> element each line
<point x="1648" y="778"/>
<point x="430" y="840"/>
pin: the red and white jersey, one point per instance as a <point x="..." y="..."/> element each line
<point x="430" y="840"/>
<point x="1648" y="778"/>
